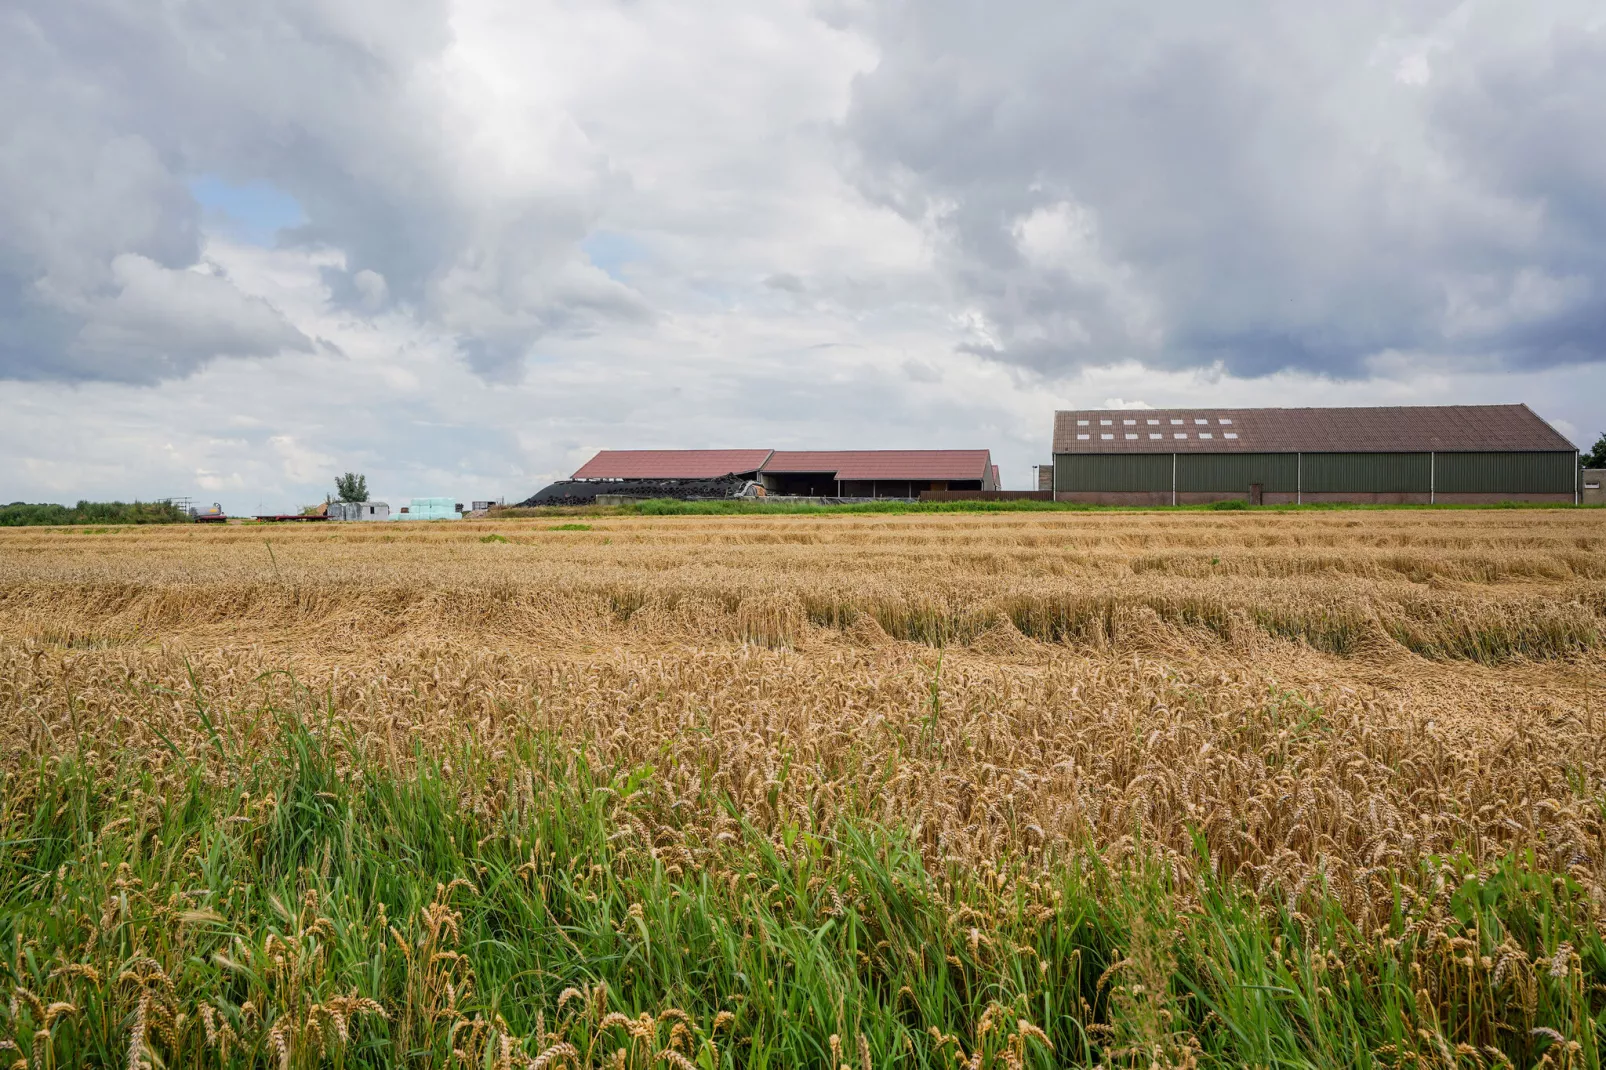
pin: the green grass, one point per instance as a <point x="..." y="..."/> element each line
<point x="673" y="507"/>
<point x="259" y="889"/>
<point x="752" y="507"/>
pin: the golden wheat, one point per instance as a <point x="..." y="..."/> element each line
<point x="1337" y="692"/>
<point x="1329" y="700"/>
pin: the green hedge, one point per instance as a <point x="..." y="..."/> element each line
<point x="25" y="514"/>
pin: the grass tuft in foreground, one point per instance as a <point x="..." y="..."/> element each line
<point x="299" y="897"/>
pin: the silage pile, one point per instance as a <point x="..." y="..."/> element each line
<point x="583" y="492"/>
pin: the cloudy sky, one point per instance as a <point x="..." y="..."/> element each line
<point x="460" y="244"/>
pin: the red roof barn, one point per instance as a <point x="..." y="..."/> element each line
<point x="815" y="473"/>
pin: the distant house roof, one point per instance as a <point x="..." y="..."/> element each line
<point x="884" y="464"/>
<point x="1398" y="429"/>
<point x="670" y="464"/>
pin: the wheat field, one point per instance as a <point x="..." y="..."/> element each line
<point x="1253" y="788"/>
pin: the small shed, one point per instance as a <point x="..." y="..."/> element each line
<point x="430" y="509"/>
<point x="358" y="511"/>
<point x="1592" y="486"/>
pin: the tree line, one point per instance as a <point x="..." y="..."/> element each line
<point x="28" y="514"/>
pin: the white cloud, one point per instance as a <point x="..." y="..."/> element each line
<point x="300" y="463"/>
<point x="1414" y="70"/>
<point x="371" y="285"/>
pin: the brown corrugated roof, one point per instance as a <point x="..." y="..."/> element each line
<point x="884" y="464"/>
<point x="670" y="464"/>
<point x="1396" y="429"/>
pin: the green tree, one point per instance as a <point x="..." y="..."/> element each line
<point x="352" y="487"/>
<point x="1596" y="456"/>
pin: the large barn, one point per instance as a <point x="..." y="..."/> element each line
<point x="814" y="473"/>
<point x="673" y="464"/>
<point x="1418" y="454"/>
<point x="877" y="473"/>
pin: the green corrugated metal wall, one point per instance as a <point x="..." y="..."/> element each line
<point x="1233" y="472"/>
<point x="1505" y="473"/>
<point x="1372" y="473"/>
<point x="1112" y="471"/>
<point x="1323" y="473"/>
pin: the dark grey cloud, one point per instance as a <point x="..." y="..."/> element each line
<point x="1528" y="127"/>
<point x="1252" y="184"/>
<point x="784" y="280"/>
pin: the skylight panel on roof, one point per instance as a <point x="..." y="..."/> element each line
<point x="1106" y="423"/>
<point x="1081" y="423"/>
<point x="1106" y="437"/>
<point x="1155" y="434"/>
<point x="1230" y="434"/>
<point x="1206" y="434"/>
<point x="1201" y="421"/>
<point x="1225" y="422"/>
<point x="1180" y="434"/>
<point x="1129" y="423"/>
<point x="1083" y="438"/>
<point x="1154" y="423"/>
<point x="1176" y="423"/>
<point x="1129" y="434"/>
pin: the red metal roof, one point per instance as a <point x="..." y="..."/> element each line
<point x="884" y="464"/>
<point x="1403" y="429"/>
<point x="670" y="464"/>
<point x="842" y="464"/>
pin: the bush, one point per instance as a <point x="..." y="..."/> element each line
<point x="24" y="514"/>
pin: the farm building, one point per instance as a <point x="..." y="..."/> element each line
<point x="1419" y="454"/>
<point x="876" y="473"/>
<point x="358" y="511"/>
<point x="811" y="473"/>
<point x="673" y="464"/>
<point x="430" y="509"/>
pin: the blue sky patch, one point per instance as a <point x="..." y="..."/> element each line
<point x="254" y="212"/>
<point x="611" y="251"/>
